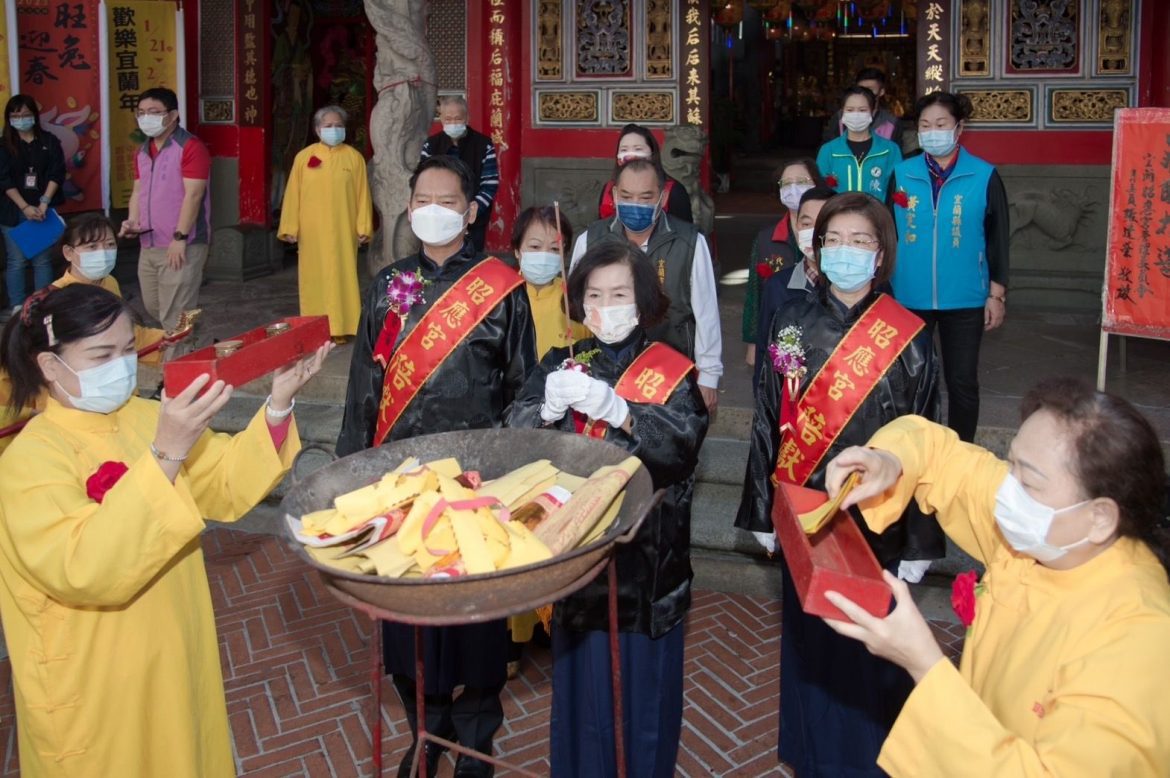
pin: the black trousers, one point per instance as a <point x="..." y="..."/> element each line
<point x="473" y="717"/>
<point x="960" y="332"/>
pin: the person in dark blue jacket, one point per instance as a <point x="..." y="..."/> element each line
<point x="951" y="211"/>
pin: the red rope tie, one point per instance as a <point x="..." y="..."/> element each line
<point x="414" y="80"/>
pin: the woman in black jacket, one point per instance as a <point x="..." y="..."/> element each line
<point x="32" y="172"/>
<point x="658" y="415"/>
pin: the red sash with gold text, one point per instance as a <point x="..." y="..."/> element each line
<point x="438" y="333"/>
<point x="864" y="355"/>
<point x="650" y="379"/>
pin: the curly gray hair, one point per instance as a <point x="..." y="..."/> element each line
<point x="324" y="111"/>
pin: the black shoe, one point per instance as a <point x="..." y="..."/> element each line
<point x="470" y="767"/>
<point x="433" y="752"/>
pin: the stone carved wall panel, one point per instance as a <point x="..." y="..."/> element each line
<point x="568" y="107"/>
<point x="649" y="107"/>
<point x="1001" y="106"/>
<point x="550" y="58"/>
<point x="603" y="38"/>
<point x="974" y="39"/>
<point x="1086" y="106"/>
<point x="1044" y="36"/>
<point x="1115" y="37"/>
<point x="659" y="39"/>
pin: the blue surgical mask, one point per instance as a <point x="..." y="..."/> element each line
<point x="540" y="267"/>
<point x="637" y="217"/>
<point x="848" y="267"/>
<point x="23" y="123"/>
<point x="455" y="131"/>
<point x="106" y="387"/>
<point x="332" y="136"/>
<point x="96" y="265"/>
<point x="937" y="143"/>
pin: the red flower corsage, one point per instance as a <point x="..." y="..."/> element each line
<point x="314" y="162"/>
<point x="901" y="199"/>
<point x="964" y="592"/>
<point x="831" y="181"/>
<point x="103" y="479"/>
<point x="764" y="271"/>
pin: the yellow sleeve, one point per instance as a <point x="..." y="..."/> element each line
<point x="956" y="481"/>
<point x="80" y="552"/>
<point x="230" y="474"/>
<point x="1107" y="715"/>
<point x="365" y="214"/>
<point x="290" y="206"/>
<point x="148" y="336"/>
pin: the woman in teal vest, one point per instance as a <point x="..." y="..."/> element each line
<point x="859" y="160"/>
<point x="951" y="210"/>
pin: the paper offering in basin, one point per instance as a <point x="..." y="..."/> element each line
<point x="467" y="526"/>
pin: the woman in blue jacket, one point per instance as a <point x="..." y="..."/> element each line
<point x="859" y="160"/>
<point x="951" y="210"/>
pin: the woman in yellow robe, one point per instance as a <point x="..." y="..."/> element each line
<point x="103" y="591"/>
<point x="1064" y="670"/>
<point x="327" y="213"/>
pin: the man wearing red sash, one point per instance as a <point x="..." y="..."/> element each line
<point x="865" y="363"/>
<point x="445" y="343"/>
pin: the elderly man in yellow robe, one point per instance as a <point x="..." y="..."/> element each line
<point x="327" y="213"/>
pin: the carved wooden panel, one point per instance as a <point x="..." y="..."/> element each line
<point x="1086" y="106"/>
<point x="603" y="38"/>
<point x="1044" y="36"/>
<point x="1001" y="106"/>
<point x="649" y="107"/>
<point x="974" y="38"/>
<point x="659" y="39"/>
<point x="447" y="37"/>
<point x="567" y="107"/>
<point x="549" y="36"/>
<point x="217" y="35"/>
<point x="1114" y="38"/>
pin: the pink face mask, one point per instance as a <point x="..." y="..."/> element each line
<point x="611" y="323"/>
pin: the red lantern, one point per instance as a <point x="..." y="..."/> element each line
<point x="779" y="12"/>
<point x="729" y="13"/>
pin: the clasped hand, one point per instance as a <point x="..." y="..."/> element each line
<point x="565" y="389"/>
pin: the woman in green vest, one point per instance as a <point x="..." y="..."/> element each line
<point x="859" y="160"/>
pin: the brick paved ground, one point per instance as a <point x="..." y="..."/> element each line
<point x="296" y="672"/>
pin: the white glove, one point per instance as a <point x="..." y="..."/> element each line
<point x="767" y="540"/>
<point x="601" y="403"/>
<point x="562" y="389"/>
<point x="912" y="570"/>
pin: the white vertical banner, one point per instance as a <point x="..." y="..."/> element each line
<point x="104" y="69"/>
<point x="13" y="47"/>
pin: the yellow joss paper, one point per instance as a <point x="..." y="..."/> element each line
<point x="409" y="535"/>
<point x="472" y="546"/>
<point x="524" y="547"/>
<point x="360" y="504"/>
<point x="388" y="560"/>
<point x="317" y="522"/>
<point x="607" y="520"/>
<point x="447" y="467"/>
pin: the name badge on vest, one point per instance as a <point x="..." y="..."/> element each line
<point x="30" y="181"/>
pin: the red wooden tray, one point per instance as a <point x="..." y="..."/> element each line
<point x="835" y="559"/>
<point x="259" y="355"/>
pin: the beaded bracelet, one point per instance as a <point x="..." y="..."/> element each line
<point x="279" y="414"/>
<point x="166" y="457"/>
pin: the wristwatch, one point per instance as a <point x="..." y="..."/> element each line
<point x="179" y="235"/>
<point x="45" y="199"/>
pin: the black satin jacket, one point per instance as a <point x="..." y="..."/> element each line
<point x="654" y="571"/>
<point x="469" y="390"/>
<point x="910" y="386"/>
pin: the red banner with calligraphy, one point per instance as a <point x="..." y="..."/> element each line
<point x="1136" y="300"/>
<point x="60" y="66"/>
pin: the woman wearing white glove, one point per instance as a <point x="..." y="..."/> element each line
<point x="642" y="396"/>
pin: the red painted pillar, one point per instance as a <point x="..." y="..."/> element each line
<point x="499" y="76"/>
<point x="253" y="108"/>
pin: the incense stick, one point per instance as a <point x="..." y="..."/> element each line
<point x="564" y="277"/>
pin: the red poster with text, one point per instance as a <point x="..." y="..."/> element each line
<point x="60" y="67"/>
<point x="1137" y="264"/>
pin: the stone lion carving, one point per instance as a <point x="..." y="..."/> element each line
<point x="682" y="157"/>
<point x="1050" y="219"/>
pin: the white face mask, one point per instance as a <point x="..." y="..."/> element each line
<point x="435" y="225"/>
<point x="152" y="125"/>
<point x="625" y="156"/>
<point x="804" y="240"/>
<point x="1025" y="522"/>
<point x="611" y="323"/>
<point x="455" y="130"/>
<point x="332" y="136"/>
<point x="96" y="265"/>
<point x="540" y="267"/>
<point x="106" y="387"/>
<point x="857" y="120"/>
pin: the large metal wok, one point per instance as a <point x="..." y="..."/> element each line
<point x="472" y="598"/>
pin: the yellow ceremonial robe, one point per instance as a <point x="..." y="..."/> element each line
<point x="106" y="607"/>
<point x="326" y="208"/>
<point x="143" y="336"/>
<point x="548" y="317"/>
<point x="1064" y="672"/>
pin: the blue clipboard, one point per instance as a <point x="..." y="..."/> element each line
<point x="34" y="237"/>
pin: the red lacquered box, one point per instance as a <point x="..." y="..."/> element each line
<point x="259" y="355"/>
<point x="835" y="559"/>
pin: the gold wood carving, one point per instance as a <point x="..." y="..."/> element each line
<point x="567" y="106"/>
<point x="974" y="39"/>
<point x="1001" y="105"/>
<point x="643" y="107"/>
<point x="549" y="52"/>
<point x="1114" y="42"/>
<point x="659" y="39"/>
<point x="1087" y="105"/>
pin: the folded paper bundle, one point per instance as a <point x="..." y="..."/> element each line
<point x="436" y="520"/>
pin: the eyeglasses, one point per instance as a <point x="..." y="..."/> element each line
<point x="794" y="181"/>
<point x="858" y="240"/>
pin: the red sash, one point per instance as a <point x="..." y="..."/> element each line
<point x="864" y="355"/>
<point x="650" y="379"/>
<point x="438" y="333"/>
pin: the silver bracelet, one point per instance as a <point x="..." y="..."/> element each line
<point x="279" y="414"/>
<point x="166" y="457"/>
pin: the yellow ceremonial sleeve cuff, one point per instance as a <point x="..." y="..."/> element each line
<point x="898" y="438"/>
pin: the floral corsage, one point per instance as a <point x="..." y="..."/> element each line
<point x="901" y="199"/>
<point x="787" y="355"/>
<point x="103" y="479"/>
<point x="405" y="290"/>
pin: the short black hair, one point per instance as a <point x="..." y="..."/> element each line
<point x="958" y="105"/>
<point x="11" y="136"/>
<point x="864" y="91"/>
<point x="652" y="303"/>
<point x="167" y="97"/>
<point x="452" y="164"/>
<point x="641" y="164"/>
<point x="544" y="214"/>
<point x="871" y="74"/>
<point x="87" y="228"/>
<point x="818" y="194"/>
